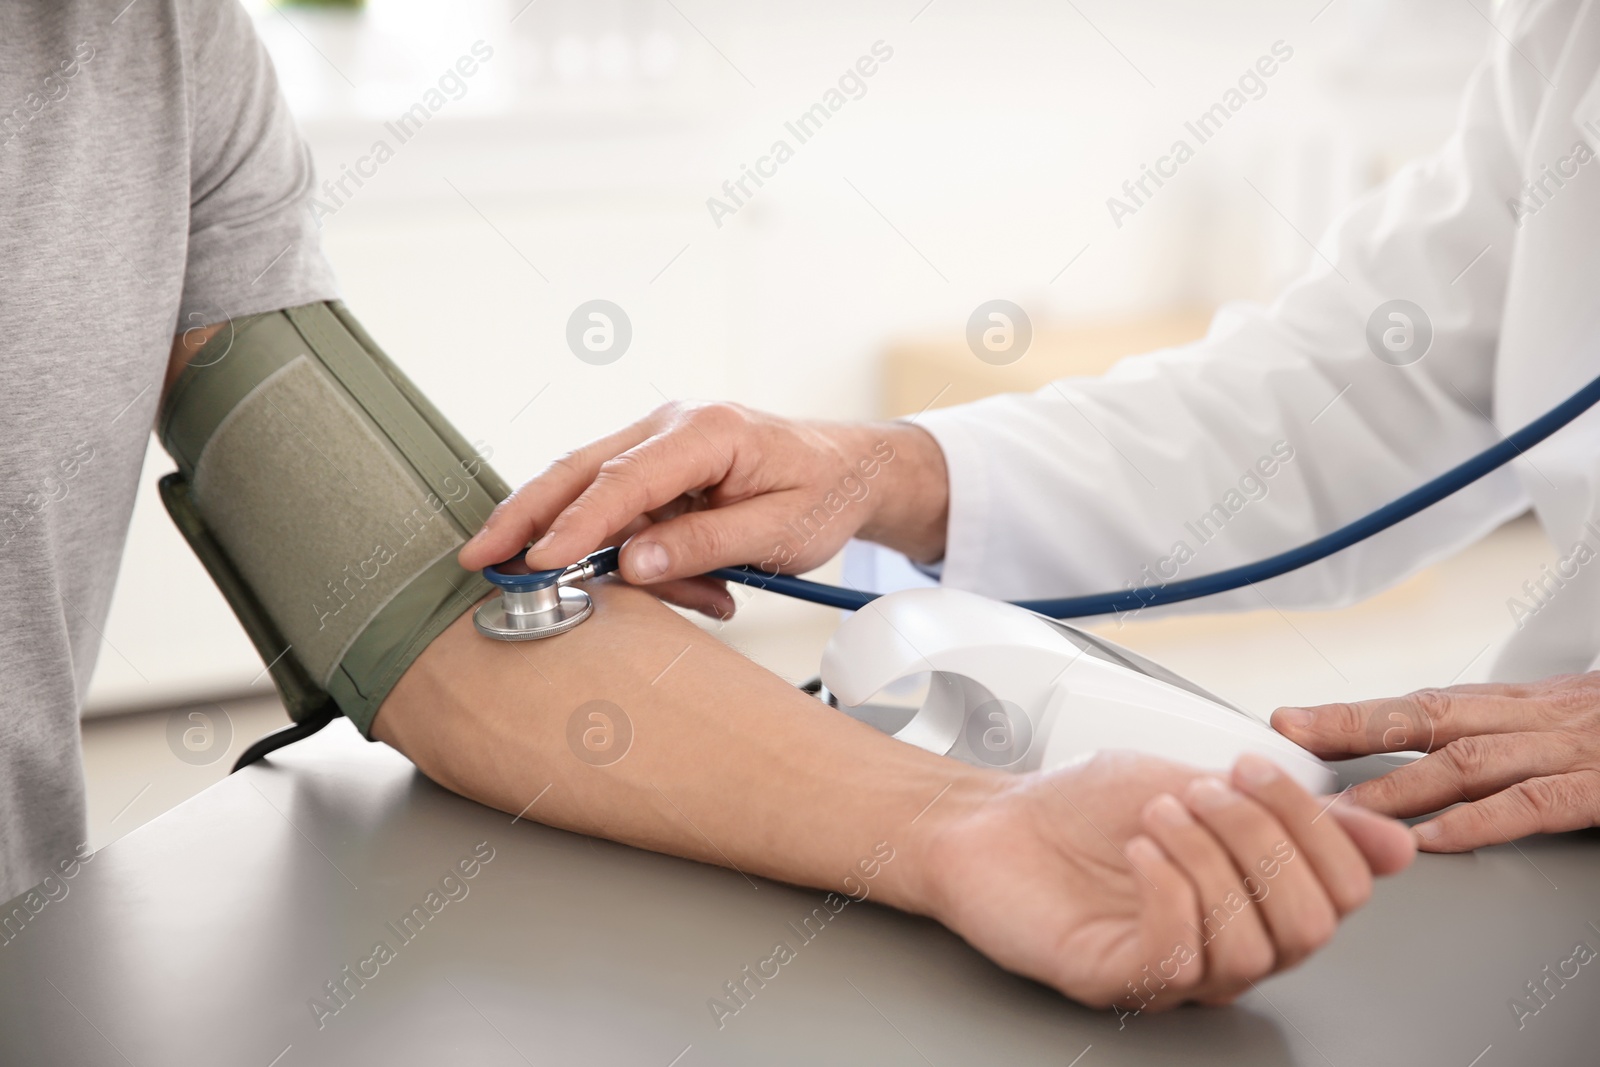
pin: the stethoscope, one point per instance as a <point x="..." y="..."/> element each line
<point x="545" y="603"/>
<point x="540" y="603"/>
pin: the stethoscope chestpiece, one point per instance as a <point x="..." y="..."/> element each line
<point x="530" y="606"/>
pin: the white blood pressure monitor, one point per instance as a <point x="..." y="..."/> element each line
<point x="1012" y="689"/>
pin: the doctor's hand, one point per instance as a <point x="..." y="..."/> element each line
<point x="694" y="487"/>
<point x="1525" y="758"/>
<point x="1133" y="882"/>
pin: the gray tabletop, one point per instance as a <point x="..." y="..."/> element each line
<point x="210" y="936"/>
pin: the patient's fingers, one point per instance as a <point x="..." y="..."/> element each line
<point x="1332" y="855"/>
<point x="1284" y="886"/>
<point x="530" y="509"/>
<point x="1229" y="934"/>
<point x="1167" y="909"/>
<point x="1387" y="845"/>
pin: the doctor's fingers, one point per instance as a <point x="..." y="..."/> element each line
<point x="650" y="475"/>
<point x="763" y="532"/>
<point x="1547" y="805"/>
<point x="1416" y="722"/>
<point x="530" y="509"/>
<point x="708" y="596"/>
<point x="1470" y="768"/>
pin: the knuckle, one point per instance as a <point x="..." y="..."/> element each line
<point x="1432" y="704"/>
<point x="1342" y="719"/>
<point x="624" y="479"/>
<point x="576" y="514"/>
<point x="720" y="416"/>
<point x="522" y="508"/>
<point x="568" y="463"/>
<point x="589" y="515"/>
<point x="1544" y="798"/>
<point x="618" y="468"/>
<point x="1466" y="758"/>
<point x="1569" y="697"/>
<point x="1585" y="788"/>
<point x="708" y="538"/>
<point x="509" y="505"/>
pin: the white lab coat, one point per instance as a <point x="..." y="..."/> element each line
<point x="1090" y="484"/>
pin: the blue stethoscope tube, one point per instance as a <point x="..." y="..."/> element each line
<point x="1126" y="600"/>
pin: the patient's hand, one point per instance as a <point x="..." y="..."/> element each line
<point x="1071" y="878"/>
<point x="1135" y="882"/>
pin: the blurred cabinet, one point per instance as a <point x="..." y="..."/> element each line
<point x="942" y="371"/>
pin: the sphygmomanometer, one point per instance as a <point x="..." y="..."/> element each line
<point x="328" y="499"/>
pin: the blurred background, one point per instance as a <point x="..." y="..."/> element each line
<point x="577" y="163"/>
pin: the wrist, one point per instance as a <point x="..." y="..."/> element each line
<point x="911" y="882"/>
<point x="910" y="503"/>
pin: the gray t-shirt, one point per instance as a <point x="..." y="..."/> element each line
<point x="153" y="180"/>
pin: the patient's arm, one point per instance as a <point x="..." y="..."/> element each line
<point x="1081" y="878"/>
<point x="1098" y="879"/>
<point x="728" y="763"/>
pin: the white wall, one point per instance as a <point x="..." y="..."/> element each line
<point x="976" y="165"/>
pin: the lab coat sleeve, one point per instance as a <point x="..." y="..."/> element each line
<point x="1281" y="424"/>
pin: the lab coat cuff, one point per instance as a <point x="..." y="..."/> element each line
<point x="966" y="530"/>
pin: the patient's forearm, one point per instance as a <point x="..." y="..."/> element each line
<point x="1086" y="877"/>
<point x="727" y="764"/>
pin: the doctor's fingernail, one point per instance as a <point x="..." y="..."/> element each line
<point x="1207" y="793"/>
<point x="648" y="560"/>
<point x="1299" y="718"/>
<point x="1428" y="831"/>
<point x="1256" y="770"/>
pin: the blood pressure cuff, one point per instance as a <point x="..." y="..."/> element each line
<point x="327" y="498"/>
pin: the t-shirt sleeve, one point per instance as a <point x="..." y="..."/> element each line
<point x="253" y="245"/>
